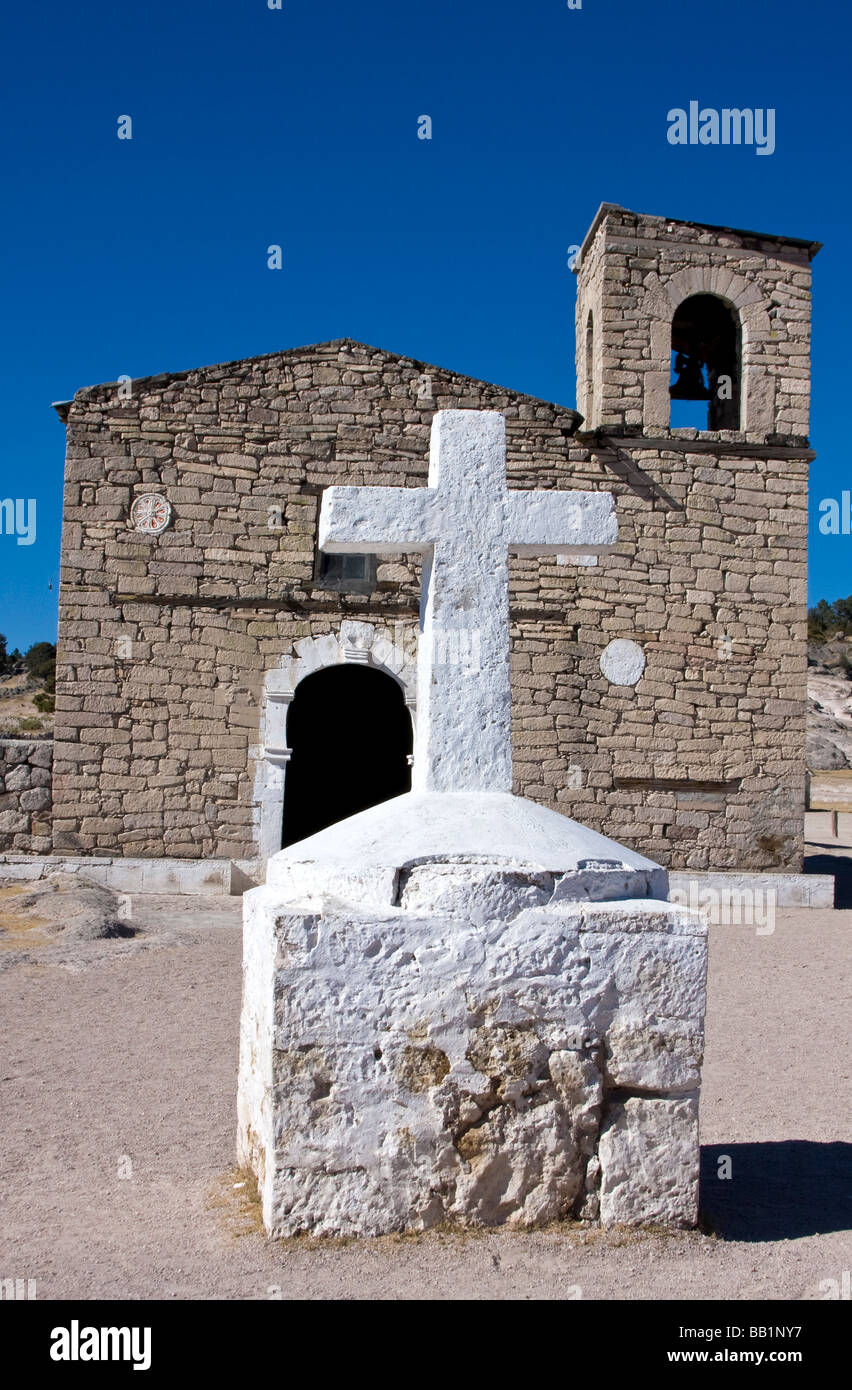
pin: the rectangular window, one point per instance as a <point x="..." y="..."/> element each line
<point x="347" y="574"/>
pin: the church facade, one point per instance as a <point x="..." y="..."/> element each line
<point x="223" y="687"/>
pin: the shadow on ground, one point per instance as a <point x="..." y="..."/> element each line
<point x="777" y="1191"/>
<point x="839" y="864"/>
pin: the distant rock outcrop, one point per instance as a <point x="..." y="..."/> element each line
<point x="829" y="734"/>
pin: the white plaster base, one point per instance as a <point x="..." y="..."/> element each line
<point x="404" y="1066"/>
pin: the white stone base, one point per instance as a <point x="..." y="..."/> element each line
<point x="409" y="1065"/>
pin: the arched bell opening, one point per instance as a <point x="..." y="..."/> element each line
<point x="706" y="349"/>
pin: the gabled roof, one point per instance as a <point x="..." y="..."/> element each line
<point x="63" y="407"/>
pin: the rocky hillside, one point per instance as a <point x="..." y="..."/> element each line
<point x="19" y="715"/>
<point x="829" y="744"/>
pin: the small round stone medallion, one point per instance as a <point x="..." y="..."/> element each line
<point x="622" y="662"/>
<point x="150" y="513"/>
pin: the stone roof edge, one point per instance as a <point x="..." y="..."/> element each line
<point x="812" y="246"/>
<point x="62" y="408"/>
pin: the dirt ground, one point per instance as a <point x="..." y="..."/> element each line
<point x="118" y="1080"/>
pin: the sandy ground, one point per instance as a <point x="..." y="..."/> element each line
<point x="118" y="1080"/>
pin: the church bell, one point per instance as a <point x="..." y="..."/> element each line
<point x="690" y="382"/>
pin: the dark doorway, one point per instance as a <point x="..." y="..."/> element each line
<point x="350" y="734"/>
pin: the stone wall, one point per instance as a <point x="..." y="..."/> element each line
<point x="25" y="795"/>
<point x="170" y="645"/>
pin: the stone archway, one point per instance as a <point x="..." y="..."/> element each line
<point x="388" y="650"/>
<point x="350" y="740"/>
<point x="745" y="299"/>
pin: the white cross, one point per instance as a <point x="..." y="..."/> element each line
<point x="464" y="524"/>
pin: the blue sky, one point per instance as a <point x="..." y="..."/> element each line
<point x="254" y="126"/>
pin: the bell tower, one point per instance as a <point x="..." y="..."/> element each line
<point x="682" y="311"/>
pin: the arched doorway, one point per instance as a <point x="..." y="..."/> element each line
<point x="350" y="735"/>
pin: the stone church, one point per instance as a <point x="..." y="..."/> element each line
<point x="224" y="688"/>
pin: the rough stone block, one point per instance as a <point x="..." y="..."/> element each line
<point x="18" y="779"/>
<point x="648" y="1157"/>
<point x="407" y="1066"/>
<point x="38" y="799"/>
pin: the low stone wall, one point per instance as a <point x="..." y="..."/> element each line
<point x="26" y="798"/>
<point x="173" y="876"/>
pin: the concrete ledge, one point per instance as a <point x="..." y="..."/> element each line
<point x="791" y="890"/>
<point x="180" y="876"/>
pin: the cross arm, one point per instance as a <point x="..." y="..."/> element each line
<point x="561" y="523"/>
<point x="378" y="520"/>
